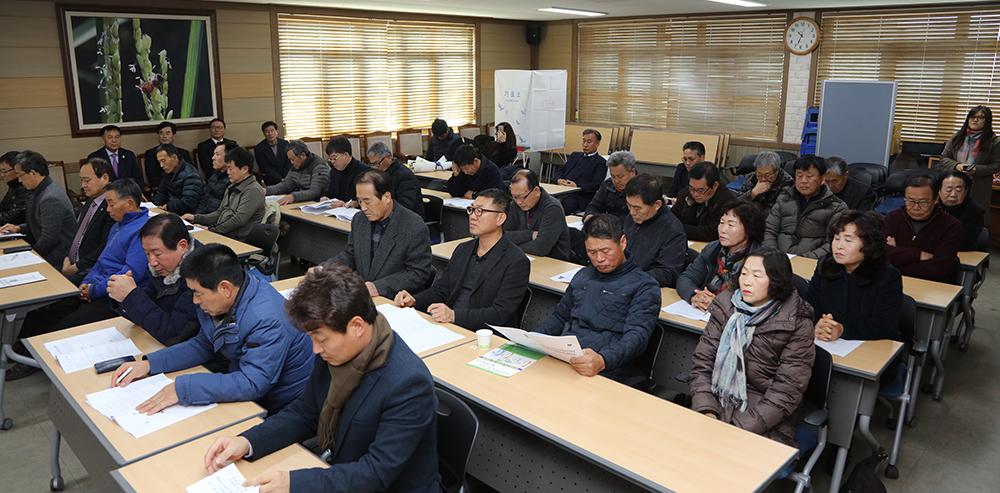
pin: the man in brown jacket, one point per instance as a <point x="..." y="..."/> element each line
<point x="243" y="204"/>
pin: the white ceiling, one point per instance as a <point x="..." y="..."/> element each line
<point x="527" y="9"/>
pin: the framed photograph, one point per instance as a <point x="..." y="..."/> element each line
<point x="137" y="67"/>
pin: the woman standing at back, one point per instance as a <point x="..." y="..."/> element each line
<point x="975" y="151"/>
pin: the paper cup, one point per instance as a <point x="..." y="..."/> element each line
<point x="485" y="337"/>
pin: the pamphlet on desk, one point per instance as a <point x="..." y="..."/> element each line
<point x="343" y="213"/>
<point x="10" y="236"/>
<point x="19" y="279"/>
<point x="229" y="479"/>
<point x="119" y="403"/>
<point x="840" y="347"/>
<point x="85" y="350"/>
<point x="686" y="310"/>
<point x="507" y="360"/>
<point x="458" y="202"/>
<point x="317" y="208"/>
<point x="559" y="347"/>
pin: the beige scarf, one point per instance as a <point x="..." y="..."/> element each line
<point x="346" y="377"/>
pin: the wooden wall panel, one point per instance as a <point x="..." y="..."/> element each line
<point x="244" y="35"/>
<point x="32" y="92"/>
<point x="556" y="53"/>
<point x="257" y="110"/>
<point x="244" y="86"/>
<point x="244" y="60"/>
<point x="28" y="31"/>
<point x="25" y="8"/>
<point x="30" y="62"/>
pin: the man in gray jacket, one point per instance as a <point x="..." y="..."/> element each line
<point x="389" y="245"/>
<point x="308" y="178"/>
<point x="797" y="222"/>
<point x="243" y="203"/>
<point x="536" y="221"/>
<point x="50" y="224"/>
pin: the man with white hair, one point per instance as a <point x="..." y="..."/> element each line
<point x="855" y="194"/>
<point x="768" y="180"/>
<point x="406" y="187"/>
<point x="610" y="197"/>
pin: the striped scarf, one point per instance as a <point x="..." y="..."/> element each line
<point x="729" y="379"/>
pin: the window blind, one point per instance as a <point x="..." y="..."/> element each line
<point x="945" y="61"/>
<point x="345" y="75"/>
<point x="707" y="74"/>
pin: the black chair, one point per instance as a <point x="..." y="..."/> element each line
<point x="646" y="363"/>
<point x="522" y="309"/>
<point x="438" y="185"/>
<point x="433" y="210"/>
<point x="786" y="156"/>
<point x="690" y="257"/>
<point x="457" y="428"/>
<point x="741" y="171"/>
<point x="901" y="389"/>
<point x="577" y="249"/>
<point x="265" y="237"/>
<point x="801" y="285"/>
<point x="878" y="172"/>
<point x="807" y="439"/>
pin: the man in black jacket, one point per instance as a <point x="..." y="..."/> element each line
<point x="218" y="182"/>
<point x="656" y="239"/>
<point x="486" y="278"/>
<point x="272" y="159"/>
<point x="536" y="221"/>
<point x="15" y="202"/>
<point x="344" y="172"/>
<point x="585" y="170"/>
<point x="180" y="187"/>
<point x="406" y="187"/>
<point x="217" y="132"/>
<point x="610" y="197"/>
<point x="94" y="222"/>
<point x="166" y="132"/>
<point x="693" y="153"/>
<point x="443" y="141"/>
<point x="471" y="173"/>
<point x="855" y="194"/>
<point x="699" y="206"/>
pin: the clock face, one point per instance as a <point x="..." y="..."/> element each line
<point x="802" y="36"/>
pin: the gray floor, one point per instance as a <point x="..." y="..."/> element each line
<point x="955" y="446"/>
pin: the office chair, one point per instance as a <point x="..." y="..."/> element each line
<point x="900" y="389"/>
<point x="805" y="437"/>
<point x="646" y="363"/>
<point x="522" y="309"/>
<point x="265" y="237"/>
<point x="433" y="210"/>
<point x="438" y="185"/>
<point x="457" y="428"/>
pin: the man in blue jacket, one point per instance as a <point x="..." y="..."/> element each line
<point x="610" y="306"/>
<point x="242" y="320"/>
<point x="369" y="400"/>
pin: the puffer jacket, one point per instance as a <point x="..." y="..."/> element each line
<point x="180" y="190"/>
<point x="784" y="181"/>
<point x="215" y="190"/>
<point x="122" y="253"/>
<point x="306" y="183"/>
<point x="166" y="311"/>
<point x="802" y="233"/>
<point x="14" y="204"/>
<point x="778" y="367"/>
<point x="612" y="313"/>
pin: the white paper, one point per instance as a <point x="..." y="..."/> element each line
<point x="287" y="293"/>
<point x="273" y="197"/>
<point x="10" y="236"/>
<point x="19" y="279"/>
<point x="229" y="479"/>
<point x="419" y="334"/>
<point x="83" y="341"/>
<point x="317" y="208"/>
<point x="343" y="213"/>
<point x="147" y="205"/>
<point x="559" y="347"/>
<point x="690" y="243"/>
<point x="19" y="259"/>
<point x="686" y="310"/>
<point x="530" y="258"/>
<point x="567" y="276"/>
<point x="791" y="255"/>
<point x="576" y="225"/>
<point x="840" y="347"/>
<point x="83" y="351"/>
<point x="119" y="403"/>
<point x="502" y="362"/>
<point x="458" y="202"/>
<point x="421" y="165"/>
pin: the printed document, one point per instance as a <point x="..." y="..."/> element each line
<point x="559" y="347"/>
<point x="418" y="333"/>
<point x="85" y="350"/>
<point x="567" y="276"/>
<point x="229" y="479"/>
<point x="840" y="347"/>
<point x="686" y="310"/>
<point x="19" y="279"/>
<point x="19" y="259"/>
<point x="119" y="403"/>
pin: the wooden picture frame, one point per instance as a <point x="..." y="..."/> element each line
<point x="171" y="74"/>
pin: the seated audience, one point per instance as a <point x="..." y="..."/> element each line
<point x="855" y="293"/>
<point x="585" y="170"/>
<point x="388" y="246"/>
<point x="217" y="136"/>
<point x="486" y="278"/>
<point x="656" y="241"/>
<point x="369" y="400"/>
<point x="215" y="188"/>
<point x="536" y="221"/>
<point x="15" y="201"/>
<point x="344" y="174"/>
<point x="49" y="223"/>
<point x="718" y="266"/>
<point x="797" y="222"/>
<point x="123" y="161"/>
<point x="308" y="178"/>
<point x="271" y="155"/>
<point x="165" y="307"/>
<point x="95" y="223"/>
<point x="693" y="153"/>
<point x="953" y="198"/>
<point x="504" y="153"/>
<point x="166" y="133"/>
<point x="922" y="240"/>
<point x="767" y="181"/>
<point x="610" y="197"/>
<point x="180" y="187"/>
<point x="443" y="141"/>
<point x="405" y="186"/>
<point x="699" y="206"/>
<point x="610" y="306"/>
<point x="754" y="360"/>
<point x="472" y="173"/>
<point x="243" y="204"/>
<point x="268" y="359"/>
<point x="855" y="194"/>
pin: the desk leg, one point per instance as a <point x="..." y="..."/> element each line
<point x="845" y="398"/>
<point x="869" y="395"/>
<point x="92" y="454"/>
<point x="56" y="483"/>
<point x="10" y="326"/>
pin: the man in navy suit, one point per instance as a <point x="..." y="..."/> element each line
<point x="586" y="170"/>
<point x="369" y="399"/>
<point x="94" y="224"/>
<point x="123" y="161"/>
<point x="272" y="159"/>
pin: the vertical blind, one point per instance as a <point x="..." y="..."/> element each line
<point x="706" y="74"/>
<point x="944" y="60"/>
<point x="345" y="75"/>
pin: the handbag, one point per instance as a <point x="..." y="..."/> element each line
<point x="863" y="478"/>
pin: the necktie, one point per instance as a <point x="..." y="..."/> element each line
<point x="74" y="249"/>
<point x="114" y="162"/>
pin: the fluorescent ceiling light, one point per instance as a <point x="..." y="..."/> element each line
<point x="562" y="10"/>
<point x="740" y="3"/>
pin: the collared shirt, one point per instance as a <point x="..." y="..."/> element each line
<point x="592" y="154"/>
<point x="274" y="148"/>
<point x="474" y="274"/>
<point x="378" y="229"/>
<point x="230" y="316"/>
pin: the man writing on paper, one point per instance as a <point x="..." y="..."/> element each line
<point x="486" y="278"/>
<point x="243" y="321"/>
<point x="344" y="174"/>
<point x="369" y="400"/>
<point x="48" y="223"/>
<point x="308" y="178"/>
<point x="610" y="306"/>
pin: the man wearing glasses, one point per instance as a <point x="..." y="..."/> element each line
<point x="472" y="173"/>
<point x="796" y="224"/>
<point x="405" y="186"/>
<point x="344" y="173"/>
<point x="15" y="201"/>
<point x="486" y="278"/>
<point x="693" y="153"/>
<point x="921" y="240"/>
<point x="655" y="237"/>
<point x="699" y="206"/>
<point x="536" y="221"/>
<point x="767" y="181"/>
<point x="49" y="223"/>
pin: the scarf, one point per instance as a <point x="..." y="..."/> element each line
<point x="346" y="377"/>
<point x="728" y="268"/>
<point x="970" y="149"/>
<point x="729" y="379"/>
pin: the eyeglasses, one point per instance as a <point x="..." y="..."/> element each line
<point x="5" y="171"/>
<point x="977" y="117"/>
<point x="478" y="211"/>
<point x="766" y="176"/>
<point x="334" y="157"/>
<point x="699" y="191"/>
<point x="378" y="161"/>
<point x="522" y="197"/>
<point x="917" y="203"/>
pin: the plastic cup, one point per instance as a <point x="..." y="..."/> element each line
<point x="485" y="337"/>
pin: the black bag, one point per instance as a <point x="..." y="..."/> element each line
<point x="863" y="478"/>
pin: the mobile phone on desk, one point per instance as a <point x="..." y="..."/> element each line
<point x="22" y="248"/>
